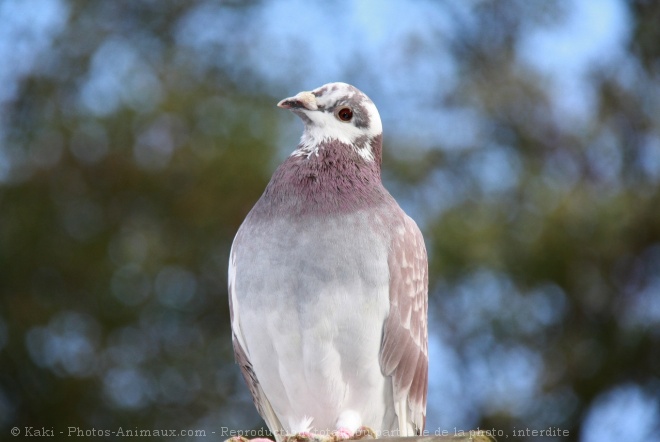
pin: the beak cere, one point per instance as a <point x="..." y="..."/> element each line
<point x="304" y="100"/>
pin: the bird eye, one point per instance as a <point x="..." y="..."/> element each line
<point x="345" y="114"/>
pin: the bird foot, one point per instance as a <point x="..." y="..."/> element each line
<point x="340" y="434"/>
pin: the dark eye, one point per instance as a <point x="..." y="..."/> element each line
<point x="345" y="114"/>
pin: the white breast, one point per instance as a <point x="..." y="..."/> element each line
<point x="312" y="321"/>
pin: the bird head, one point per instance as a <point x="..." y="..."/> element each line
<point x="336" y="112"/>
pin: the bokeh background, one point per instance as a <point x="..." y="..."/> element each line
<point x="523" y="136"/>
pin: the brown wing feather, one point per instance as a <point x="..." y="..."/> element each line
<point x="404" y="348"/>
<point x="244" y="363"/>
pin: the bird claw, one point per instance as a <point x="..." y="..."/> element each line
<point x="340" y="434"/>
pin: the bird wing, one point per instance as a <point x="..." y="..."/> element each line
<point x="404" y="348"/>
<point x="243" y="359"/>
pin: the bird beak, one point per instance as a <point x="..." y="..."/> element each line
<point x="303" y="100"/>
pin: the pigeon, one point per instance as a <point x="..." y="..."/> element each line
<point x="328" y="284"/>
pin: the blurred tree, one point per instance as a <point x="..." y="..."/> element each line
<point x="136" y="135"/>
<point x="130" y="170"/>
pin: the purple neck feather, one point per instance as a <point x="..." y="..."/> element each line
<point x="337" y="180"/>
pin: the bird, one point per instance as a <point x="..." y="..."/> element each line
<point x="328" y="284"/>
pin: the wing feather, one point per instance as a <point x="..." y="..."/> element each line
<point x="404" y="348"/>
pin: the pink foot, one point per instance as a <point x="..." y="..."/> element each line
<point x="341" y="434"/>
